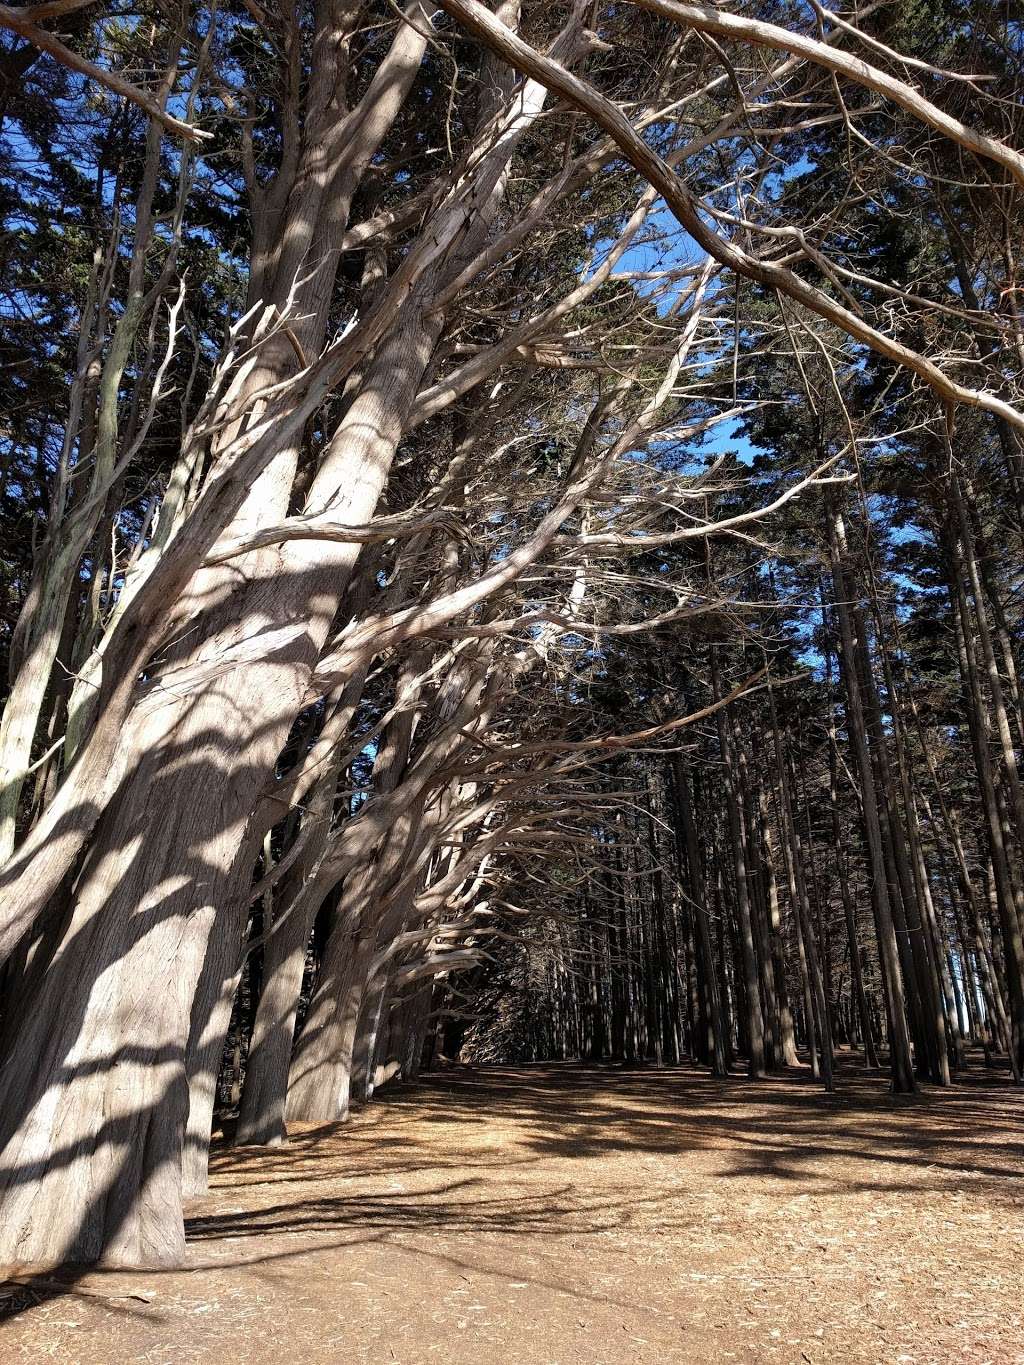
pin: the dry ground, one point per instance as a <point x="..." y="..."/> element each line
<point x="569" y="1214"/>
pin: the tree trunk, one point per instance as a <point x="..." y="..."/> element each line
<point x="745" y="927"/>
<point x="899" y="1038"/>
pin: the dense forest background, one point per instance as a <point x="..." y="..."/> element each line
<point x="512" y="548"/>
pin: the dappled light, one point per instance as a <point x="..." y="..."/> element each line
<point x="621" y="1214"/>
<point x="511" y="636"/>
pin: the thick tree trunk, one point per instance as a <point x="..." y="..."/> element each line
<point x="211" y="1016"/>
<point x="164" y="864"/>
<point x="261" y="1115"/>
<point x="321" y="1069"/>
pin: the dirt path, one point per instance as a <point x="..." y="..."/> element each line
<point x="564" y="1214"/>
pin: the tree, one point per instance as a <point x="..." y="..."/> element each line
<point x="409" y="354"/>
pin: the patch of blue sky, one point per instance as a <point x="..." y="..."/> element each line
<point x="775" y="182"/>
<point x="665" y="245"/>
<point x="728" y="438"/>
<point x="692" y="457"/>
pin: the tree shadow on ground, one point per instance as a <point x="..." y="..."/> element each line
<point x="571" y="1111"/>
<point x="453" y="1155"/>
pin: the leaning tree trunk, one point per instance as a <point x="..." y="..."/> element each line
<point x="319" y="1082"/>
<point x="108" y="1033"/>
<point x="94" y="1089"/>
<point x="261" y="1115"/>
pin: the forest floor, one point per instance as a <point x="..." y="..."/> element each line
<point x="558" y="1214"/>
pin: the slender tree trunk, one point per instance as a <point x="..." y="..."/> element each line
<point x="688" y="854"/>
<point x="899" y="1038"/>
<point x="756" y="1065"/>
<point x="788" y="1037"/>
<point x="1004" y="892"/>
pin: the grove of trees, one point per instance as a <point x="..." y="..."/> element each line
<point x="513" y="547"/>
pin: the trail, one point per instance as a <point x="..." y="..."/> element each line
<point x="559" y="1214"/>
